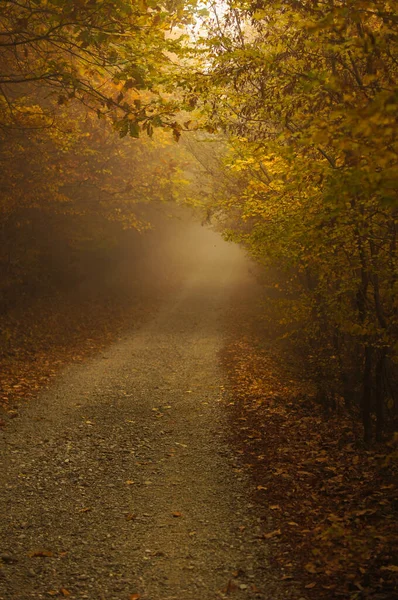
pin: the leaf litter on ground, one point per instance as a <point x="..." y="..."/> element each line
<point x="328" y="502"/>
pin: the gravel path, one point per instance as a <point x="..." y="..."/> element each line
<point x="119" y="480"/>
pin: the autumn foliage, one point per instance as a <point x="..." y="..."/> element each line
<point x="328" y="508"/>
<point x="306" y="95"/>
<point x="289" y="109"/>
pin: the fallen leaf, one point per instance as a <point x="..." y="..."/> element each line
<point x="177" y="514"/>
<point x="42" y="553"/>
<point x="261" y="487"/>
<point x="255" y="589"/>
<point x="391" y="568"/>
<point x="311" y="568"/>
<point x="272" y="534"/>
<point x="230" y="587"/>
<point x="366" y="511"/>
<point x="238" y="573"/>
<point x="129" y="482"/>
<point x="309" y="586"/>
<point x="64" y="592"/>
<point x="275" y="507"/>
<point x="135" y="596"/>
<point x="86" y="509"/>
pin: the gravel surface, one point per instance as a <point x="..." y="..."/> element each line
<point x="119" y="481"/>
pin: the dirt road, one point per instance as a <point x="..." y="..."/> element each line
<point x="119" y="482"/>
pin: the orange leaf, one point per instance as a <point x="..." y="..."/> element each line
<point x="135" y="596"/>
<point x="272" y="534"/>
<point x="43" y="553"/>
<point x="230" y="587"/>
<point x="177" y="514"/>
<point x="64" y="592"/>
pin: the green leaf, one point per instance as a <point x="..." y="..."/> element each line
<point x="134" y="129"/>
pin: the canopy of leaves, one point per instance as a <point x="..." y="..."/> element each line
<point x="92" y="51"/>
<point x="307" y="93"/>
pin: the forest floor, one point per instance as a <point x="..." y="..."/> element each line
<point x="165" y="449"/>
<point x="57" y="331"/>
<point x="119" y="480"/>
<point x="329" y="504"/>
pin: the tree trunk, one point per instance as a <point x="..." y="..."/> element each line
<point x="379" y="396"/>
<point x="367" y="395"/>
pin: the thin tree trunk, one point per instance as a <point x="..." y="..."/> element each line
<point x="379" y="396"/>
<point x="367" y="396"/>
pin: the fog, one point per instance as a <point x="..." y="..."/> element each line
<point x="176" y="251"/>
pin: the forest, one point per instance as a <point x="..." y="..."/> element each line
<point x="275" y="123"/>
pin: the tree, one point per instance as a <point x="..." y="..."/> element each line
<point x="70" y="70"/>
<point x="94" y="52"/>
<point x="308" y="94"/>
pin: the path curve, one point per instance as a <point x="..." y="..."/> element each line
<point x="121" y="474"/>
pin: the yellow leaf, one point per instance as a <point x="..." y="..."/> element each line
<point x="392" y="568"/>
<point x="311" y="568"/>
